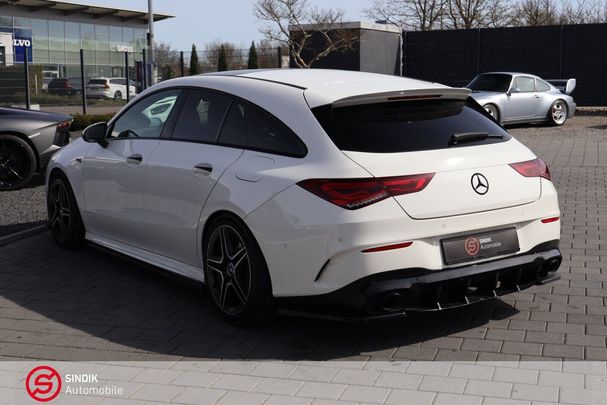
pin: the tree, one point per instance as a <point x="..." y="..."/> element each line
<point x="167" y="71"/>
<point x="419" y="15"/>
<point x="252" y="63"/>
<point x="194" y="64"/>
<point x="222" y="63"/>
<point x="536" y="13"/>
<point x="235" y="57"/>
<point x="583" y="12"/>
<point x="293" y="23"/>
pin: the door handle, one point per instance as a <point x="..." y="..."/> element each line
<point x="134" y="159"/>
<point x="203" y="169"/>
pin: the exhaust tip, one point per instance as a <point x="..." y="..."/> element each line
<point x="392" y="302"/>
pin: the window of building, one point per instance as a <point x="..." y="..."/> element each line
<point x="72" y="42"/>
<point x="56" y="30"/>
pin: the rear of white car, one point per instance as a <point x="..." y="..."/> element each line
<point x="109" y="88"/>
<point x="449" y="209"/>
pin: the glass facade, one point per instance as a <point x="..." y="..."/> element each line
<point x="56" y="45"/>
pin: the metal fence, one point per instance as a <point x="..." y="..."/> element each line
<point x="40" y="86"/>
<point x="454" y="57"/>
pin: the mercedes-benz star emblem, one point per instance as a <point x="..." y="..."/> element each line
<point x="479" y="183"/>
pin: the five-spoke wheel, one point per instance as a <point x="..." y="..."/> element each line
<point x="492" y="111"/>
<point x="236" y="273"/>
<point x="17" y="162"/>
<point x="558" y="113"/>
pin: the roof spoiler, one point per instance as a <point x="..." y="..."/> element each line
<point x="417" y="94"/>
<point x="564" y="85"/>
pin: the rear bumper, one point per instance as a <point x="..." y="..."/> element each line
<point x="393" y="294"/>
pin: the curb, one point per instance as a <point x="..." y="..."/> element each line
<point x="591" y="111"/>
<point x="5" y="240"/>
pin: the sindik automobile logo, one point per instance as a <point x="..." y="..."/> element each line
<point x="43" y="383"/>
<point x="472" y="246"/>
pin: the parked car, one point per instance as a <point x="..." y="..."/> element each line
<point x="113" y="87"/>
<point x="512" y="98"/>
<point x="27" y="141"/>
<point x="326" y="192"/>
<point x="67" y="86"/>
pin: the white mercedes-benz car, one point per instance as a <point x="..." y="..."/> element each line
<point x="329" y="193"/>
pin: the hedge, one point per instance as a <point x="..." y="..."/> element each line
<point x="82" y="121"/>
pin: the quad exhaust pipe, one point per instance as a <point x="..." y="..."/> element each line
<point x="392" y="302"/>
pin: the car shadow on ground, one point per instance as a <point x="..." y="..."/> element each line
<point x="125" y="308"/>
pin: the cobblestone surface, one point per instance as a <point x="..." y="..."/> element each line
<point x="543" y="345"/>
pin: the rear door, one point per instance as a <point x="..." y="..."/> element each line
<point x="183" y="171"/>
<point x="415" y="137"/>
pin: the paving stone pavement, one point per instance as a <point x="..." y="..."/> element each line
<point x="544" y="345"/>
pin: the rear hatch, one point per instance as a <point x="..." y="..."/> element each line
<point x="97" y="85"/>
<point x="449" y="135"/>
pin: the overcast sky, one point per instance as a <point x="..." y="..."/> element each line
<point x="201" y="21"/>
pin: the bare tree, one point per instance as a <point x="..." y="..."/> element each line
<point x="293" y="23"/>
<point x="233" y="54"/>
<point x="583" y="12"/>
<point x="419" y="15"/>
<point x="465" y="14"/>
<point x="536" y="13"/>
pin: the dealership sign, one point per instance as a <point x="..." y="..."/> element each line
<point x="123" y="48"/>
<point x="22" y="38"/>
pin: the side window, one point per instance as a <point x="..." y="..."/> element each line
<point x="234" y="131"/>
<point x="201" y="116"/>
<point x="146" y="118"/>
<point x="541" y="85"/>
<point x="266" y="133"/>
<point x="525" y="84"/>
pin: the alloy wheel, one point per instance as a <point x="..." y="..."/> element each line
<point x="559" y="112"/>
<point x="229" y="269"/>
<point x="15" y="165"/>
<point x="59" y="210"/>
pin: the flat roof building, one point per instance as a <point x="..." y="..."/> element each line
<point x="54" y="32"/>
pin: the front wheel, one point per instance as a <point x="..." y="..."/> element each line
<point x="492" y="111"/>
<point x="64" y="218"/>
<point x="558" y="113"/>
<point x="236" y="273"/>
<point x="17" y="162"/>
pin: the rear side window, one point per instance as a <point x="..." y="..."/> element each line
<point x="201" y="116"/>
<point x="541" y="86"/>
<point x="249" y="126"/>
<point x="407" y="126"/>
<point x="525" y="84"/>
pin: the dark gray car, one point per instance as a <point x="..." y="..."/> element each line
<point x="27" y="141"/>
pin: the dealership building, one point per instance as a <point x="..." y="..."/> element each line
<point x="54" y="32"/>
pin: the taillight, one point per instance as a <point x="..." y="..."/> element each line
<point x="532" y="168"/>
<point x="64" y="125"/>
<point x="106" y="85"/>
<point x="550" y="220"/>
<point x="357" y="193"/>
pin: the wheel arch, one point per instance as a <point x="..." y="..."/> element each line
<point x="28" y="141"/>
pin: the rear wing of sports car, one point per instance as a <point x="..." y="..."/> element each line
<point x="565" y="85"/>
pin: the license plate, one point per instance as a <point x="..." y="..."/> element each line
<point x="479" y="246"/>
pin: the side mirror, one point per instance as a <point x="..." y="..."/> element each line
<point x="514" y="90"/>
<point x="96" y="133"/>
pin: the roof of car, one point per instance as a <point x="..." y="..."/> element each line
<point x="312" y="78"/>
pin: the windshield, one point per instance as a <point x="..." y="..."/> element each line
<point x="491" y="82"/>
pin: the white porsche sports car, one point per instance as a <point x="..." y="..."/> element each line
<point x="324" y="192"/>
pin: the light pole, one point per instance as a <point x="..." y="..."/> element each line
<point x="153" y="74"/>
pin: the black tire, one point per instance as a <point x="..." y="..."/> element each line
<point x="17" y="162"/>
<point x="238" y="281"/>
<point x="557" y="115"/>
<point x="64" y="219"/>
<point x="492" y="111"/>
<point x="118" y="95"/>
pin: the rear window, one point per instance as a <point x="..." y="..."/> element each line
<point x="97" y="81"/>
<point x="407" y="126"/>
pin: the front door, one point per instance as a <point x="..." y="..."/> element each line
<point x="113" y="174"/>
<point x="522" y="101"/>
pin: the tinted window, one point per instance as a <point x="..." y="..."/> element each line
<point x="491" y="82"/>
<point x="541" y="86"/>
<point x="234" y="131"/>
<point x="406" y="126"/>
<point x="259" y="130"/>
<point x="525" y="84"/>
<point x="201" y="116"/>
<point x="97" y="81"/>
<point x="146" y="118"/>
